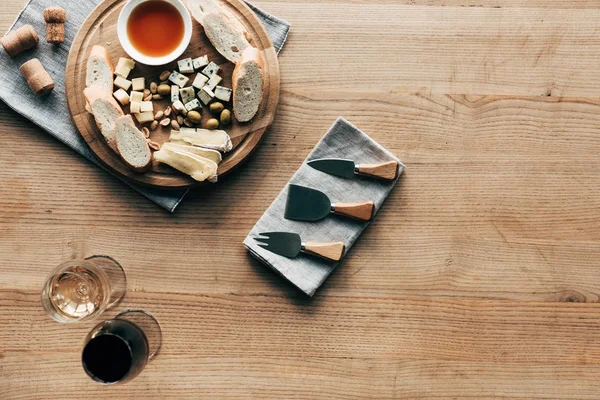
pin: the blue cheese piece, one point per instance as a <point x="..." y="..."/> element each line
<point x="186" y="66"/>
<point x="179" y="79"/>
<point x="187" y="94"/>
<point x="178" y="105"/>
<point x="193" y="105"/>
<point x="213" y="82"/>
<point x="222" y="93"/>
<point x="200" y="62"/>
<point x="206" y="95"/>
<point x="210" y="69"/>
<point x="174" y="93"/>
<point x="199" y="81"/>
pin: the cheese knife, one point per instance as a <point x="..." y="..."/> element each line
<point x="348" y="169"/>
<point x="305" y="204"/>
<point x="289" y="245"/>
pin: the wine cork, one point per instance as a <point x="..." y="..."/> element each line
<point x="20" y="40"/>
<point x="37" y="78"/>
<point x="55" y="18"/>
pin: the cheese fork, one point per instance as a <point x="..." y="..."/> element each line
<point x="289" y="245"/>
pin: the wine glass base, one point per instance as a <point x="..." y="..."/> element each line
<point x="148" y="324"/>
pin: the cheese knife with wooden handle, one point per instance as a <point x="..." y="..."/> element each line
<point x="290" y="245"/>
<point x="348" y="169"/>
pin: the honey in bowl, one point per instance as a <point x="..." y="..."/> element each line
<point x="155" y="28"/>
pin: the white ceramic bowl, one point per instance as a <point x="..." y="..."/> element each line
<point x="142" y="58"/>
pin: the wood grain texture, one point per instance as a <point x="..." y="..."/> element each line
<point x="387" y="170"/>
<point x="477" y="279"/>
<point x="331" y="251"/>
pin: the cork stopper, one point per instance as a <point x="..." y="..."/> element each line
<point x="37" y="77"/>
<point x="55" y="18"/>
<point x="20" y="40"/>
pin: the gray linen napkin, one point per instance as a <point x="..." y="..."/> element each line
<point x="343" y="140"/>
<point x="51" y="112"/>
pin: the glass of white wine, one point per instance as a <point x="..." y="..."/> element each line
<point x="80" y="290"/>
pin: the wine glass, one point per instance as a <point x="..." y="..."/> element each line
<point x="117" y="350"/>
<point x="80" y="290"/>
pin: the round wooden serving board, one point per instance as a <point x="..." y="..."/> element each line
<point x="100" y="28"/>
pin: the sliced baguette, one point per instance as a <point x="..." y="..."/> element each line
<point x="99" y="69"/>
<point x="132" y="144"/>
<point x="106" y="111"/>
<point x="247" y="83"/>
<point x="225" y="33"/>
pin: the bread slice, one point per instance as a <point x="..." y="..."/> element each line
<point x="222" y="29"/>
<point x="247" y="81"/>
<point x="106" y="110"/>
<point x="99" y="69"/>
<point x="132" y="144"/>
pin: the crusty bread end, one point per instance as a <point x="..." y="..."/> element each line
<point x="247" y="84"/>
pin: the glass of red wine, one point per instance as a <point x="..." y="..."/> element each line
<point x="117" y="350"/>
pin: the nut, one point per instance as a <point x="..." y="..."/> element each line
<point x="175" y="125"/>
<point x="167" y="111"/>
<point x="216" y="107"/>
<point x="146" y="92"/>
<point x="164" y="75"/>
<point x="188" y="123"/>
<point x="212" y="123"/>
<point x="148" y="98"/>
<point x="175" y="112"/>
<point x="163" y="89"/>
<point x="159" y="115"/>
<point x="180" y="119"/>
<point x="194" y="116"/>
<point x="156" y="97"/>
<point x="153" y="87"/>
<point x="225" y="117"/>
<point x="153" y="125"/>
<point x="146" y="132"/>
<point x="165" y="122"/>
<point x="154" y="145"/>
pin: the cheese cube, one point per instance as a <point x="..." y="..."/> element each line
<point x="186" y="66"/>
<point x="124" y="67"/>
<point x="199" y="81"/>
<point x="210" y="69"/>
<point x="145" y="117"/>
<point x="122" y="97"/>
<point x="178" y="105"/>
<point x="126" y="62"/>
<point x="187" y="94"/>
<point x="222" y="93"/>
<point x="174" y="93"/>
<point x="146" y="106"/>
<point x="138" y="84"/>
<point x="213" y="81"/>
<point x="136" y="96"/>
<point x="193" y="105"/>
<point x="206" y="95"/>
<point x="135" y="107"/>
<point x="178" y="79"/>
<point x="122" y="83"/>
<point x="200" y="62"/>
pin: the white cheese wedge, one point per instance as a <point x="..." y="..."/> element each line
<point x="174" y="93"/>
<point x="187" y="94"/>
<point x="210" y="69"/>
<point x="215" y="139"/>
<point x="222" y="93"/>
<point x="146" y="106"/>
<point x="206" y="95"/>
<point x="135" y="107"/>
<point x="145" y="117"/>
<point x="199" y="81"/>
<point x="212" y="155"/>
<point x="122" y="97"/>
<point x="122" y="83"/>
<point x="198" y="168"/>
<point x="179" y="79"/>
<point x="127" y="62"/>
<point x="178" y="105"/>
<point x="193" y="105"/>
<point x="186" y="66"/>
<point x="138" y="84"/>
<point x="213" y="82"/>
<point x="200" y="62"/>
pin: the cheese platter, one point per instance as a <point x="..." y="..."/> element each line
<point x="212" y="97"/>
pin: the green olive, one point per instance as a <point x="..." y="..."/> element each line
<point x="212" y="123"/>
<point x="194" y="116"/>
<point x="216" y="107"/>
<point x="225" y="117"/>
<point x="164" y="89"/>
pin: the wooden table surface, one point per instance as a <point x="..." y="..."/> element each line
<point x="479" y="278"/>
